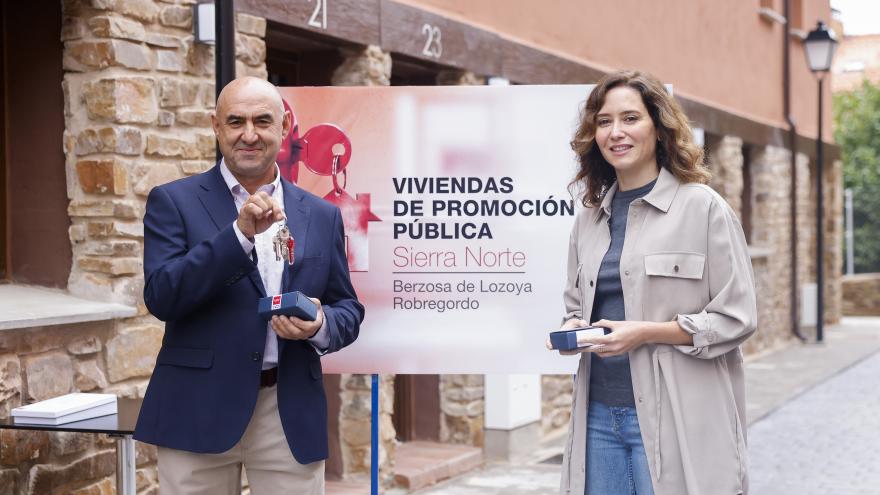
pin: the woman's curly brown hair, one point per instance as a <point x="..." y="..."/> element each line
<point x="676" y="150"/>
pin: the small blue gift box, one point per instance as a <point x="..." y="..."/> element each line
<point x="568" y="340"/>
<point x="288" y="304"/>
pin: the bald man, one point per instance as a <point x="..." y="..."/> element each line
<point x="229" y="388"/>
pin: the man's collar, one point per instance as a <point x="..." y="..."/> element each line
<point x="231" y="181"/>
<point x="660" y="196"/>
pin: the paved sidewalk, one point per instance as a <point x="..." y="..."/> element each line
<point x="501" y="479"/>
<point x="800" y="393"/>
<point x="774" y="379"/>
<point x="827" y="441"/>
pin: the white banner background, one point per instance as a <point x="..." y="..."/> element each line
<point x="520" y="132"/>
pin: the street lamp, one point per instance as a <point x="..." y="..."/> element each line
<point x="820" y="46"/>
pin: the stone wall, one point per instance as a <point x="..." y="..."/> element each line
<point x="462" y="409"/>
<point x="771" y="229"/>
<point x="861" y="294"/>
<point x="355" y="425"/>
<point x="771" y="236"/>
<point x="369" y="66"/>
<point x="805" y="226"/>
<point x="833" y="234"/>
<point x="725" y="161"/>
<point x="556" y="397"/>
<point x="138" y="96"/>
<point x="45" y="362"/>
<point x="138" y="93"/>
<point x="833" y="241"/>
<point x="771" y="221"/>
<point x="459" y="78"/>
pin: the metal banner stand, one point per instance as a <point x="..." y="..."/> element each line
<point x="374" y="437"/>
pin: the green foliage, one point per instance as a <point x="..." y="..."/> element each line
<point x="857" y="120"/>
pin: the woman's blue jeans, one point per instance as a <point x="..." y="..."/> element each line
<point x="616" y="460"/>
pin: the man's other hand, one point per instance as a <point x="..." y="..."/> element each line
<point x="294" y="328"/>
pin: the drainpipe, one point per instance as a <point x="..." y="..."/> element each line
<point x="224" y="48"/>
<point x="792" y="146"/>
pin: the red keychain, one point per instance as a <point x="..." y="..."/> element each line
<point x="290" y="245"/>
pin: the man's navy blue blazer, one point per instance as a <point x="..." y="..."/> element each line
<point x="202" y="284"/>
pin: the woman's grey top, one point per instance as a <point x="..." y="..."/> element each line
<point x="610" y="381"/>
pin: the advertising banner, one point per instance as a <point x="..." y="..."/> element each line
<point x="457" y="215"/>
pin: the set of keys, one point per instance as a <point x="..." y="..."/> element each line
<point x="283" y="244"/>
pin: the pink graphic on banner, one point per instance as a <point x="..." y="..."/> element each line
<point x="325" y="150"/>
<point x="289" y="154"/>
<point x="356" y="216"/>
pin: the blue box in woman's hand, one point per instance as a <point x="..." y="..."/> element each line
<point x="570" y="340"/>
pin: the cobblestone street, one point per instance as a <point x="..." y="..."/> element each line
<point x="827" y="441"/>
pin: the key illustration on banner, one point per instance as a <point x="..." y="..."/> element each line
<point x="325" y="150"/>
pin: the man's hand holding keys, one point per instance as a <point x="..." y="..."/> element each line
<point x="258" y="213"/>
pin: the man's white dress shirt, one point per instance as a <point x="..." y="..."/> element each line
<point x="271" y="270"/>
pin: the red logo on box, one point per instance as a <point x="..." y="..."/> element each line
<point x="276" y="302"/>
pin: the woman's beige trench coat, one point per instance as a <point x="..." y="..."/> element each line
<point x="684" y="256"/>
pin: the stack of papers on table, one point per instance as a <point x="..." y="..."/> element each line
<point x="66" y="409"/>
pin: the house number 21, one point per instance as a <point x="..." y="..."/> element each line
<point x="319" y="15"/>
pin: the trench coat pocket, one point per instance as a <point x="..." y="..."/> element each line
<point x="186" y="357"/>
<point x="675" y="264"/>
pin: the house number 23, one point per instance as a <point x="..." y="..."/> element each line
<point x="433" y="42"/>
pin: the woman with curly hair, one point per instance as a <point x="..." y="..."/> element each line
<point x="659" y="260"/>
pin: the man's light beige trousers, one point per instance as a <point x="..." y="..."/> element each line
<point x="262" y="450"/>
